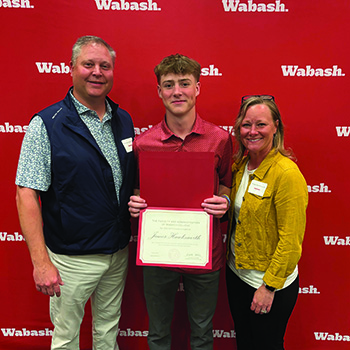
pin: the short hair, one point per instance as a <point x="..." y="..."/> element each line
<point x="278" y="139"/>
<point x="178" y="64"/>
<point x="89" y="39"/>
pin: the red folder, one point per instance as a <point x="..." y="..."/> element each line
<point x="176" y="179"/>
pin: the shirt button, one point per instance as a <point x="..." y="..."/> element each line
<point x="238" y="221"/>
<point x="239" y="244"/>
<point x="239" y="265"/>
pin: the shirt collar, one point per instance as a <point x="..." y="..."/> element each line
<point x="198" y="128"/>
<point x="263" y="167"/>
<point x="82" y="110"/>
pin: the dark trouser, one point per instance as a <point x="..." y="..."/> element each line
<point x="201" y="291"/>
<point x="259" y="331"/>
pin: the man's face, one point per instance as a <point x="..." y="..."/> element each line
<point x="92" y="74"/>
<point x="179" y="93"/>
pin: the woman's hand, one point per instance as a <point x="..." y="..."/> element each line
<point x="262" y="300"/>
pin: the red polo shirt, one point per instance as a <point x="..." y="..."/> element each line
<point x="204" y="137"/>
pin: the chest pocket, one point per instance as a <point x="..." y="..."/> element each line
<point x="259" y="205"/>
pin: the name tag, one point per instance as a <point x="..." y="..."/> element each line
<point x="127" y="143"/>
<point x="257" y="187"/>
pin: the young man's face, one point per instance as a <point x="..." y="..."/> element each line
<point x="179" y="93"/>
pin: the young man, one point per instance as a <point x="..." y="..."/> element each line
<point x="182" y="130"/>
<point x="76" y="155"/>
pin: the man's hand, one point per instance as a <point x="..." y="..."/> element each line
<point x="216" y="206"/>
<point x="136" y="204"/>
<point x="47" y="279"/>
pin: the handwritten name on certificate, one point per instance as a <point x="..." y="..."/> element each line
<point x="175" y="238"/>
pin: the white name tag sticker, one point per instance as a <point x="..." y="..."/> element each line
<point x="257" y="187"/>
<point x="127" y="143"/>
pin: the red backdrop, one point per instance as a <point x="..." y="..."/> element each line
<point x="296" y="50"/>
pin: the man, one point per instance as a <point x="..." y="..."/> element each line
<point x="77" y="157"/>
<point x="183" y="130"/>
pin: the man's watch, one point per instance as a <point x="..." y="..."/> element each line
<point x="271" y="289"/>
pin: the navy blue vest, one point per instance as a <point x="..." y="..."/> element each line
<point x="81" y="213"/>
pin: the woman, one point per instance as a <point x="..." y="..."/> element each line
<point x="267" y="223"/>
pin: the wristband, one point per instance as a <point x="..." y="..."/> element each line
<point x="227" y="198"/>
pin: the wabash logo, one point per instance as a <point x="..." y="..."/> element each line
<point x="123" y="5"/>
<point x="16" y="237"/>
<point x="321" y="188"/>
<point x="16" y="4"/>
<point x="309" y="71"/>
<point x="49" y="67"/>
<point x="308" y="290"/>
<point x="335" y="240"/>
<point x="138" y="131"/>
<point x="131" y="333"/>
<point x="7" y="127"/>
<point x="229" y="128"/>
<point x="24" y="332"/>
<point x="251" y="6"/>
<point x="210" y="71"/>
<point x="221" y="333"/>
<point x="331" y="337"/>
<point x="343" y="131"/>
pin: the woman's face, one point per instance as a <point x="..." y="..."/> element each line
<point x="257" y="130"/>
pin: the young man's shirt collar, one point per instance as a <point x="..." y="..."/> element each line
<point x="198" y="128"/>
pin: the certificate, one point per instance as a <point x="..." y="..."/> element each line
<point x="175" y="238"/>
<point x="174" y="231"/>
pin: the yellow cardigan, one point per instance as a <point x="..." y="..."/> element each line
<point x="270" y="228"/>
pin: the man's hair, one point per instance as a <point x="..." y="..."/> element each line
<point x="178" y="64"/>
<point x="89" y="39"/>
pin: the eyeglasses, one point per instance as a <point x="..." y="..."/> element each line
<point x="264" y="97"/>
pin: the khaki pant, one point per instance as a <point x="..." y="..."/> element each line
<point x="101" y="277"/>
